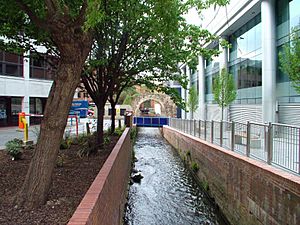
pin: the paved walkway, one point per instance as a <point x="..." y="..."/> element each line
<point x="9" y="133"/>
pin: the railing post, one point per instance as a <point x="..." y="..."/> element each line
<point x="299" y="151"/>
<point x="199" y="128"/>
<point x="205" y="130"/>
<point x="270" y="144"/>
<point x="221" y="133"/>
<point x="194" y="128"/>
<point x="191" y="127"/>
<point x="248" y="139"/>
<point x="232" y="135"/>
<point x="212" y="132"/>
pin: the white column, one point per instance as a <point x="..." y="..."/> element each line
<point x="183" y="95"/>
<point x="26" y="74"/>
<point x="188" y="74"/>
<point x="268" y="60"/>
<point x="223" y="56"/>
<point x="201" y="78"/>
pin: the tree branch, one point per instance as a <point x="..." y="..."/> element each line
<point x="81" y="17"/>
<point x="33" y="17"/>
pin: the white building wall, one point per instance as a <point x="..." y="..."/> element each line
<point x="24" y="86"/>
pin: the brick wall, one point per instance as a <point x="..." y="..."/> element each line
<point x="247" y="191"/>
<point x="104" y="202"/>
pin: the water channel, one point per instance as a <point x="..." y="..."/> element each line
<point x="167" y="195"/>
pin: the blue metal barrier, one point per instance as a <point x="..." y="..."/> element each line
<point x="150" y="121"/>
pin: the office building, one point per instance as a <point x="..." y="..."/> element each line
<point x="257" y="31"/>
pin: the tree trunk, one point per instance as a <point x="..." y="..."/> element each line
<point x="38" y="180"/>
<point x="222" y="116"/>
<point x="100" y="124"/>
<point x="113" y="117"/>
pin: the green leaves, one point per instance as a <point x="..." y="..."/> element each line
<point x="193" y="99"/>
<point x="224" y="89"/>
<point x="290" y="60"/>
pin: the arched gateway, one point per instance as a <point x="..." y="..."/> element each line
<point x="168" y="108"/>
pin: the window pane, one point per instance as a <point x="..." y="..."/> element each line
<point x="12" y="70"/>
<point x="9" y="57"/>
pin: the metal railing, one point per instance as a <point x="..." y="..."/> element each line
<point x="273" y="143"/>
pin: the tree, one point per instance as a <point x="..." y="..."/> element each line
<point x="290" y="60"/>
<point x="193" y="100"/>
<point x="224" y="90"/>
<point x="143" y="44"/>
<point x="65" y="28"/>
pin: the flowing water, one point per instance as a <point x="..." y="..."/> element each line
<point x="167" y="195"/>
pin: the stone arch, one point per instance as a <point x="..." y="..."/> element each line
<point x="168" y="108"/>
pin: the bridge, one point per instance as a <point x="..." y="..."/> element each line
<point x="141" y="121"/>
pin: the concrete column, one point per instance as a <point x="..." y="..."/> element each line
<point x="224" y="64"/>
<point x="201" y="78"/>
<point x="183" y="95"/>
<point x="188" y="74"/>
<point x="223" y="56"/>
<point x="26" y="74"/>
<point x="268" y="60"/>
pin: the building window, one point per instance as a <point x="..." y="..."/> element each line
<point x="37" y="106"/>
<point x="40" y="68"/>
<point x="10" y="107"/>
<point x="122" y="112"/>
<point x="11" y="64"/>
<point x="110" y="111"/>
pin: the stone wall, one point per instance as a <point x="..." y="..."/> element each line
<point x="247" y="191"/>
<point x="104" y="202"/>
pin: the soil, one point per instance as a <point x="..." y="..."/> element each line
<point x="70" y="183"/>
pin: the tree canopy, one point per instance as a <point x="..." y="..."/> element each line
<point x="224" y="90"/>
<point x="290" y="60"/>
<point x="193" y="99"/>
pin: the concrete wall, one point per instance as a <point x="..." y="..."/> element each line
<point x="248" y="191"/>
<point x="104" y="202"/>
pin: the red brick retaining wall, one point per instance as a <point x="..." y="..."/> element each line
<point x="104" y="202"/>
<point x="248" y="191"/>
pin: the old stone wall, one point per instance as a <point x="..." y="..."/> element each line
<point x="247" y="191"/>
<point x="104" y="202"/>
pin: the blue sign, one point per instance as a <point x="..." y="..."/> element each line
<point x="80" y="107"/>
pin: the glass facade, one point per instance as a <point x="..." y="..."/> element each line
<point x="245" y="57"/>
<point x="212" y="68"/>
<point x="245" y="61"/>
<point x="288" y="19"/>
<point x="11" y="64"/>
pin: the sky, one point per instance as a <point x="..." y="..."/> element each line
<point x="192" y="17"/>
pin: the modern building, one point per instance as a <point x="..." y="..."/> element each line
<point x="24" y="87"/>
<point x="257" y="31"/>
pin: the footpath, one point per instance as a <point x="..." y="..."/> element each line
<point x="9" y="133"/>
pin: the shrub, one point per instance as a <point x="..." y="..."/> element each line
<point x="195" y="167"/>
<point x="106" y="140"/>
<point x="188" y="153"/>
<point x="66" y="143"/>
<point x="60" y="161"/>
<point x="14" y="147"/>
<point x="133" y="133"/>
<point x="119" y="131"/>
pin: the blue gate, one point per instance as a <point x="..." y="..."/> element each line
<point x="150" y="121"/>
